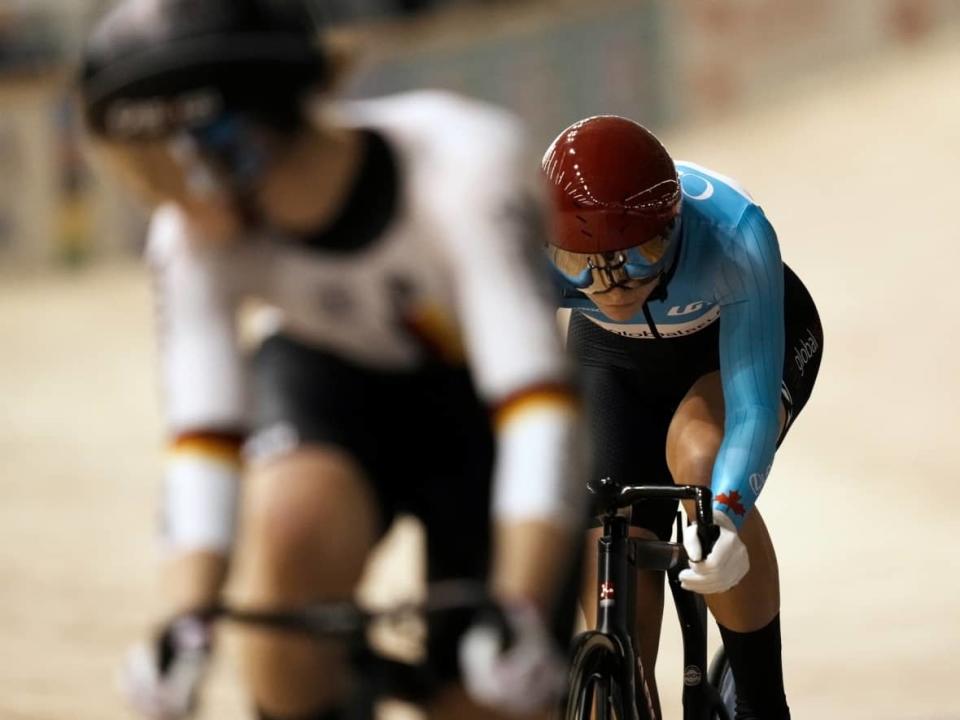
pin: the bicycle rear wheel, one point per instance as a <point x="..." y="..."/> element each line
<point x="720" y="676"/>
<point x="596" y="681"/>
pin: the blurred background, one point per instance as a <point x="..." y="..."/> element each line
<point x="841" y="118"/>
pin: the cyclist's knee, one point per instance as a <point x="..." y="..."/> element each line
<point x="309" y="520"/>
<point x="691" y="463"/>
<point x="692" y="447"/>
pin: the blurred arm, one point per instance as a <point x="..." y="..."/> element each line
<point x="506" y="309"/>
<point x="203" y="389"/>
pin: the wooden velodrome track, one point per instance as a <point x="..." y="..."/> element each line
<point x="857" y="170"/>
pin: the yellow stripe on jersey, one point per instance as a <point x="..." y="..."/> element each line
<point x="437" y="331"/>
<point x="222" y="447"/>
<point x="532" y="398"/>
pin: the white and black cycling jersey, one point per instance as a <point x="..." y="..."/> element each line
<point x="432" y="256"/>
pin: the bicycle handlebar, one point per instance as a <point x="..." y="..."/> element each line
<point x="345" y="621"/>
<point x="345" y="618"/>
<point x="610" y="496"/>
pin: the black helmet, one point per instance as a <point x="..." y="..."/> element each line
<point x="154" y="67"/>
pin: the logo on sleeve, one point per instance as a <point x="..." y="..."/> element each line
<point x="758" y="480"/>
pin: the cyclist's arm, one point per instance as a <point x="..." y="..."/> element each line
<point x="505" y="308"/>
<point x="202" y="387"/>
<point x="751" y="363"/>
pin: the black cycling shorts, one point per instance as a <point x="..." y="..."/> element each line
<point x="632" y="389"/>
<point x="424" y="440"/>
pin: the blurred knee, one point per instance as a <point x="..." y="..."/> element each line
<point x="308" y="522"/>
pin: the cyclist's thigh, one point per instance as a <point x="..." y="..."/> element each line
<point x="696" y="431"/>
<point x="441" y="468"/>
<point x="628" y="430"/>
<point x="308" y="522"/>
<point x="445" y="470"/>
<point x="311" y="508"/>
<point x="632" y="388"/>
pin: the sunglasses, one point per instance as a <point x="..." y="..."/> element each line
<point x="599" y="272"/>
<point x="224" y="154"/>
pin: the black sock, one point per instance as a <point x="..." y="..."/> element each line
<point x="757" y="666"/>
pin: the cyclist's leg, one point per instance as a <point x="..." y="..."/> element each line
<point x="628" y="432"/>
<point x="748" y="613"/>
<point x="310" y="514"/>
<point x="450" y="491"/>
<point x="308" y="523"/>
<point x="451" y="496"/>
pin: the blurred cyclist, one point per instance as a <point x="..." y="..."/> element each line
<point x="411" y="342"/>
<point x="699" y="348"/>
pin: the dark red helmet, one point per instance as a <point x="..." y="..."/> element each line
<point x="614" y="186"/>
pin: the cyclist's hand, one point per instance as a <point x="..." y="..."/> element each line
<point x="161" y="678"/>
<point x="516" y="674"/>
<point x="723" y="568"/>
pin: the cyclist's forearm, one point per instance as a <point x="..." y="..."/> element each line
<point x="531" y="561"/>
<point x="199" y="517"/>
<point x="539" y="497"/>
<point x="744" y="460"/>
<point x="193" y="580"/>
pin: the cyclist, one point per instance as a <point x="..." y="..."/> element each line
<point x="386" y="246"/>
<point x="698" y="349"/>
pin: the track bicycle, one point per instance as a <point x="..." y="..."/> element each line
<point x="607" y="679"/>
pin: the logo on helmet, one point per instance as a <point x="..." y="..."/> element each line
<point x="153" y="115"/>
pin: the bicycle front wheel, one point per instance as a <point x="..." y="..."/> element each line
<point x="720" y="676"/>
<point x="596" y="688"/>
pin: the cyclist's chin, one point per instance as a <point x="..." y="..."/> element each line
<point x="622" y="303"/>
<point x="618" y="310"/>
<point x="214" y="221"/>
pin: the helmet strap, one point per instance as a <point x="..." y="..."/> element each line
<point x="660" y="292"/>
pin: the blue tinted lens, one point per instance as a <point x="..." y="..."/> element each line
<point x="574" y="268"/>
<point x="639" y="267"/>
<point x="646" y="261"/>
<point x="581" y="280"/>
<point x="228" y="143"/>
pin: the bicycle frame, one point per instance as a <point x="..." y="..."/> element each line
<point x="619" y="558"/>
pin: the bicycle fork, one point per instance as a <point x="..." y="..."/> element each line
<point x="699" y="697"/>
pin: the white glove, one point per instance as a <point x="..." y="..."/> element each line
<point x="160" y="679"/>
<point x="723" y="568"/>
<point x="525" y="676"/>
